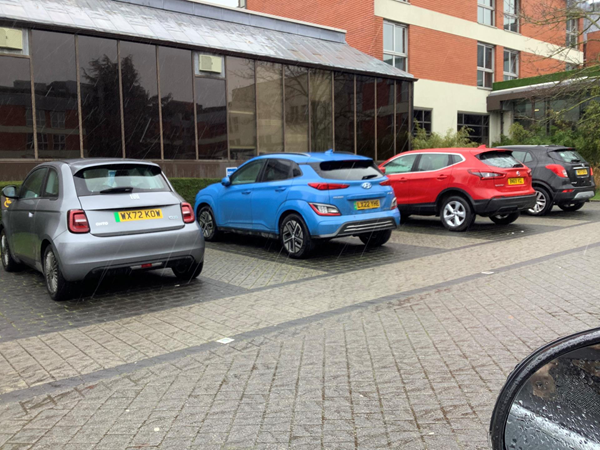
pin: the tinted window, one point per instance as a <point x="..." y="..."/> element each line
<point x="277" y="170"/>
<point x="241" y="99"/>
<point x="524" y="157"/>
<point x="403" y="93"/>
<point x="296" y="109"/>
<point x="344" y="112"/>
<point x="320" y="104"/>
<point x="385" y="119"/>
<point x="51" y="189"/>
<point x="570" y="156"/>
<point x="347" y="170"/>
<point x="403" y="164"/>
<point x="115" y="178"/>
<point x="32" y="187"/>
<point x="211" y="114"/>
<point x="248" y="173"/>
<point x="499" y="159"/>
<point x="433" y="161"/>
<point x="269" y="103"/>
<point x="365" y="116"/>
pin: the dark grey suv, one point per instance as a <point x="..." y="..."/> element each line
<point x="560" y="176"/>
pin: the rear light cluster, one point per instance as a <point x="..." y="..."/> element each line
<point x="187" y="212"/>
<point x="487" y="175"/>
<point x="77" y="221"/>
<point x="328" y="186"/>
<point x="394" y="204"/>
<point x="385" y="183"/>
<point x="558" y="170"/>
<point x="323" y="209"/>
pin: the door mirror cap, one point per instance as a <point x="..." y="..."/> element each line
<point x="535" y="408"/>
<point x="10" y="192"/>
<point x="226" y="182"/>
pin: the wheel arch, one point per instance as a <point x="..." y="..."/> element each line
<point x="450" y="192"/>
<point x="546" y="186"/>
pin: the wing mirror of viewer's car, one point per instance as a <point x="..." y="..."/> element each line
<point x="226" y="182"/>
<point x="551" y="400"/>
<point x="10" y="192"/>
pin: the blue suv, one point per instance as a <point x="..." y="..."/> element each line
<point x="301" y="198"/>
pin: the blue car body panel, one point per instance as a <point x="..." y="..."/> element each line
<point x="259" y="207"/>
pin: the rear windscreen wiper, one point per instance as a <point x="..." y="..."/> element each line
<point x="116" y="190"/>
<point x="368" y="177"/>
<point x="518" y="165"/>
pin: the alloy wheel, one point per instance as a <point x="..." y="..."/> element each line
<point x="4" y="250"/>
<point x="207" y="223"/>
<point x="540" y="203"/>
<point x="455" y="214"/>
<point x="293" y="237"/>
<point x="51" y="272"/>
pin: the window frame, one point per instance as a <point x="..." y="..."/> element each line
<point x="485" y="69"/>
<point x="458" y="122"/>
<point x="394" y="53"/>
<point x="290" y="175"/>
<point x="259" y="176"/>
<point x="489" y="8"/>
<point x="45" y="184"/>
<point x="423" y="122"/>
<point x="42" y="185"/>
<point x="572" y="33"/>
<point x="514" y="16"/>
<point x="514" y="54"/>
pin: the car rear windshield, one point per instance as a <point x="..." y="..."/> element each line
<point x="347" y="170"/>
<point x="567" y="155"/>
<point x="504" y="160"/>
<point x="119" y="178"/>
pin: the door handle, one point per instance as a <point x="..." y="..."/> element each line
<point x="31" y="214"/>
<point x="246" y="192"/>
<point x="280" y="189"/>
<point x="442" y="177"/>
<point x="402" y="180"/>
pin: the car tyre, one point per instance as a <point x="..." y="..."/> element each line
<point x="543" y="203"/>
<point x="8" y="262"/>
<point x="206" y="220"/>
<point x="295" y="237"/>
<point x="570" y="207"/>
<point x="376" y="239"/>
<point x="58" y="288"/>
<point x="456" y="213"/>
<point x="505" y="219"/>
<point x="187" y="273"/>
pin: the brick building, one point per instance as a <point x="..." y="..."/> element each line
<point x="457" y="49"/>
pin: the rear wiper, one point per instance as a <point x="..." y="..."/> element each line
<point x="518" y="165"/>
<point x="368" y="177"/>
<point x="116" y="190"/>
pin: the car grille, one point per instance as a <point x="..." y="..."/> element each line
<point x="367" y="226"/>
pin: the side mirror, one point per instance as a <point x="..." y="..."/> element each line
<point x="550" y="400"/>
<point x="226" y="182"/>
<point x="10" y="192"/>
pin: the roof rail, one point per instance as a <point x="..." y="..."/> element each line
<point x="283" y="153"/>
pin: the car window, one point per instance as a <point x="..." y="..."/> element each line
<point x="360" y="169"/>
<point x="522" y="156"/>
<point x="504" y="160"/>
<point x="569" y="156"/>
<point x="403" y="164"/>
<point x="248" y="173"/>
<point x="119" y="178"/>
<point x="433" y="161"/>
<point x="277" y="170"/>
<point x="51" y="189"/>
<point x="32" y="187"/>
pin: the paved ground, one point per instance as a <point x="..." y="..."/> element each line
<point x="404" y="346"/>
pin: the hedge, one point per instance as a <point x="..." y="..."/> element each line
<point x="186" y="187"/>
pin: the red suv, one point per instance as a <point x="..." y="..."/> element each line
<point x="458" y="183"/>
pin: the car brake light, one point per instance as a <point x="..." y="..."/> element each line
<point x="568" y="191"/>
<point x="591" y="172"/>
<point x="394" y="203"/>
<point x="328" y="186"/>
<point x="325" y="210"/>
<point x="558" y="170"/>
<point x="187" y="212"/>
<point x="486" y="175"/>
<point x="385" y="183"/>
<point x="77" y="221"/>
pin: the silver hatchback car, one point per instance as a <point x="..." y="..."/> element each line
<point x="79" y="218"/>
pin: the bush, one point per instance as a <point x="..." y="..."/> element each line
<point x="457" y="139"/>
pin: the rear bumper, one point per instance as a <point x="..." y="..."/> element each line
<point x="340" y="226"/>
<point x="504" y="205"/>
<point x="85" y="254"/>
<point x="579" y="194"/>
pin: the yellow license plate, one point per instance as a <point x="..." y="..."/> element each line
<point x="142" y="214"/>
<point x="582" y="172"/>
<point x="366" y="204"/>
<point x="513" y="181"/>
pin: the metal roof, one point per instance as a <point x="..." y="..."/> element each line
<point x="184" y="23"/>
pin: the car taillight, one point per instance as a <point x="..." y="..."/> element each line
<point x="487" y="175"/>
<point x="591" y="172"/>
<point x="187" y="212"/>
<point x="394" y="203"/>
<point x="328" y="186"/>
<point x="385" y="183"/>
<point x="325" y="210"/>
<point x="558" y="170"/>
<point x="77" y="221"/>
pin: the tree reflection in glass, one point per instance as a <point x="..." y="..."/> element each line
<point x="320" y="107"/>
<point x="296" y="109"/>
<point x="241" y="98"/>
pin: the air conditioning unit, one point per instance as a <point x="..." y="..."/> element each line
<point x="11" y="38"/>
<point x="209" y="63"/>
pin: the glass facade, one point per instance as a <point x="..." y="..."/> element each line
<point x="101" y="97"/>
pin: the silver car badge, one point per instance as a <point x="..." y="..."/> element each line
<point x="366" y="185"/>
<point x="518" y="173"/>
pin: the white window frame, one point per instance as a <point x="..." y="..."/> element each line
<point x="489" y="8"/>
<point x="394" y="53"/>
<point x="485" y="69"/>
<point x="514" y="16"/>
<point x="511" y="75"/>
<point x="572" y="32"/>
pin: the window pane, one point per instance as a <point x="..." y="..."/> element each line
<point x="32" y="187"/>
<point x="489" y="79"/>
<point x="16" y="114"/>
<point x="510" y="6"/>
<point x="249" y="173"/>
<point x="400" y="63"/>
<point x="270" y="106"/>
<point x="478" y="125"/>
<point x="403" y="119"/>
<point x="100" y="104"/>
<point x="241" y="100"/>
<point x="480" y="76"/>
<point x="344" y="112"/>
<point x="296" y="109"/>
<point x="365" y="116"/>
<point x="399" y="35"/>
<point x="320" y="104"/>
<point x="388" y="59"/>
<point x="489" y="3"/>
<point x="51" y="189"/>
<point x="140" y="100"/>
<point x="388" y="36"/>
<point x="489" y="57"/>
<point x="480" y="55"/>
<point x="179" y="140"/>
<point x="385" y="119"/>
<point x="402" y="164"/>
<point x="211" y="114"/>
<point x="506" y="61"/>
<point x="55" y="75"/>
<point x="277" y="170"/>
<point x="433" y="162"/>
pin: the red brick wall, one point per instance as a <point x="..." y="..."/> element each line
<point x="464" y="9"/>
<point x="533" y="65"/>
<point x="592" y="49"/>
<point x="538" y="10"/>
<point x="355" y="16"/>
